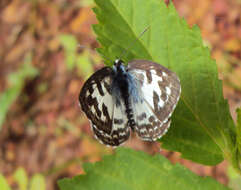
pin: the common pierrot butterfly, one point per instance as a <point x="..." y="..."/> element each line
<point x="138" y="97"/>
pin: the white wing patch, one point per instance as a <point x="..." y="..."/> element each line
<point x="105" y="100"/>
<point x="148" y="88"/>
<point x="120" y="119"/>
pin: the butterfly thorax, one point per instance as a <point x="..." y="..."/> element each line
<point x="123" y="86"/>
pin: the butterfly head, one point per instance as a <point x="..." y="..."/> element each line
<point x="119" y="67"/>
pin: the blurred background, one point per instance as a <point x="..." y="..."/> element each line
<point x="47" y="51"/>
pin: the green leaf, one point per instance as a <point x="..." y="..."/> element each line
<point x="130" y="170"/>
<point x="69" y="43"/>
<point x="234" y="179"/>
<point x="16" y="81"/>
<point x="22" y="179"/>
<point x="238" y="128"/>
<point x="3" y="183"/>
<point x="84" y="65"/>
<point x="202" y="128"/>
<point x="238" y="146"/>
<point x="87" y="3"/>
<point x="37" y="182"/>
<point x="82" y="61"/>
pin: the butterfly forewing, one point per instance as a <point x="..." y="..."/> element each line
<point x="160" y="90"/>
<point x="109" y="122"/>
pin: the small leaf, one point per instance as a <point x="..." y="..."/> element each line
<point x="16" y="81"/>
<point x="239" y="130"/>
<point x="238" y="145"/>
<point x="84" y="65"/>
<point x="69" y="42"/>
<point x="72" y="59"/>
<point x="3" y="183"/>
<point x="133" y="170"/>
<point x="202" y="128"/>
<point x="37" y="182"/>
<point x="234" y="179"/>
<point x="21" y="178"/>
<point x="70" y="46"/>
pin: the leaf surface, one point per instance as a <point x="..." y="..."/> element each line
<point x="3" y="183"/>
<point x="134" y="170"/>
<point x="16" y="81"/>
<point x="37" y="182"/>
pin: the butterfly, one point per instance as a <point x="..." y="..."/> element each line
<point x="139" y="97"/>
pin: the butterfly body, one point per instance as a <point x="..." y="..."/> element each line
<point x="140" y="96"/>
<point x="124" y="88"/>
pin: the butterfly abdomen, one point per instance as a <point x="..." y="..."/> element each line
<point x="123" y="86"/>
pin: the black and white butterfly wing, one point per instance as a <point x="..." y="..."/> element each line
<point x="109" y="122"/>
<point x="160" y="90"/>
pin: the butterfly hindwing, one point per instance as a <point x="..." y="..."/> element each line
<point x="109" y="123"/>
<point x="148" y="127"/>
<point x="160" y="91"/>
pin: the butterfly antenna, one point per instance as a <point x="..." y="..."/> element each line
<point x="141" y="34"/>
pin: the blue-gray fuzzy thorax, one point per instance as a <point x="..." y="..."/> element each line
<point x="124" y="86"/>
